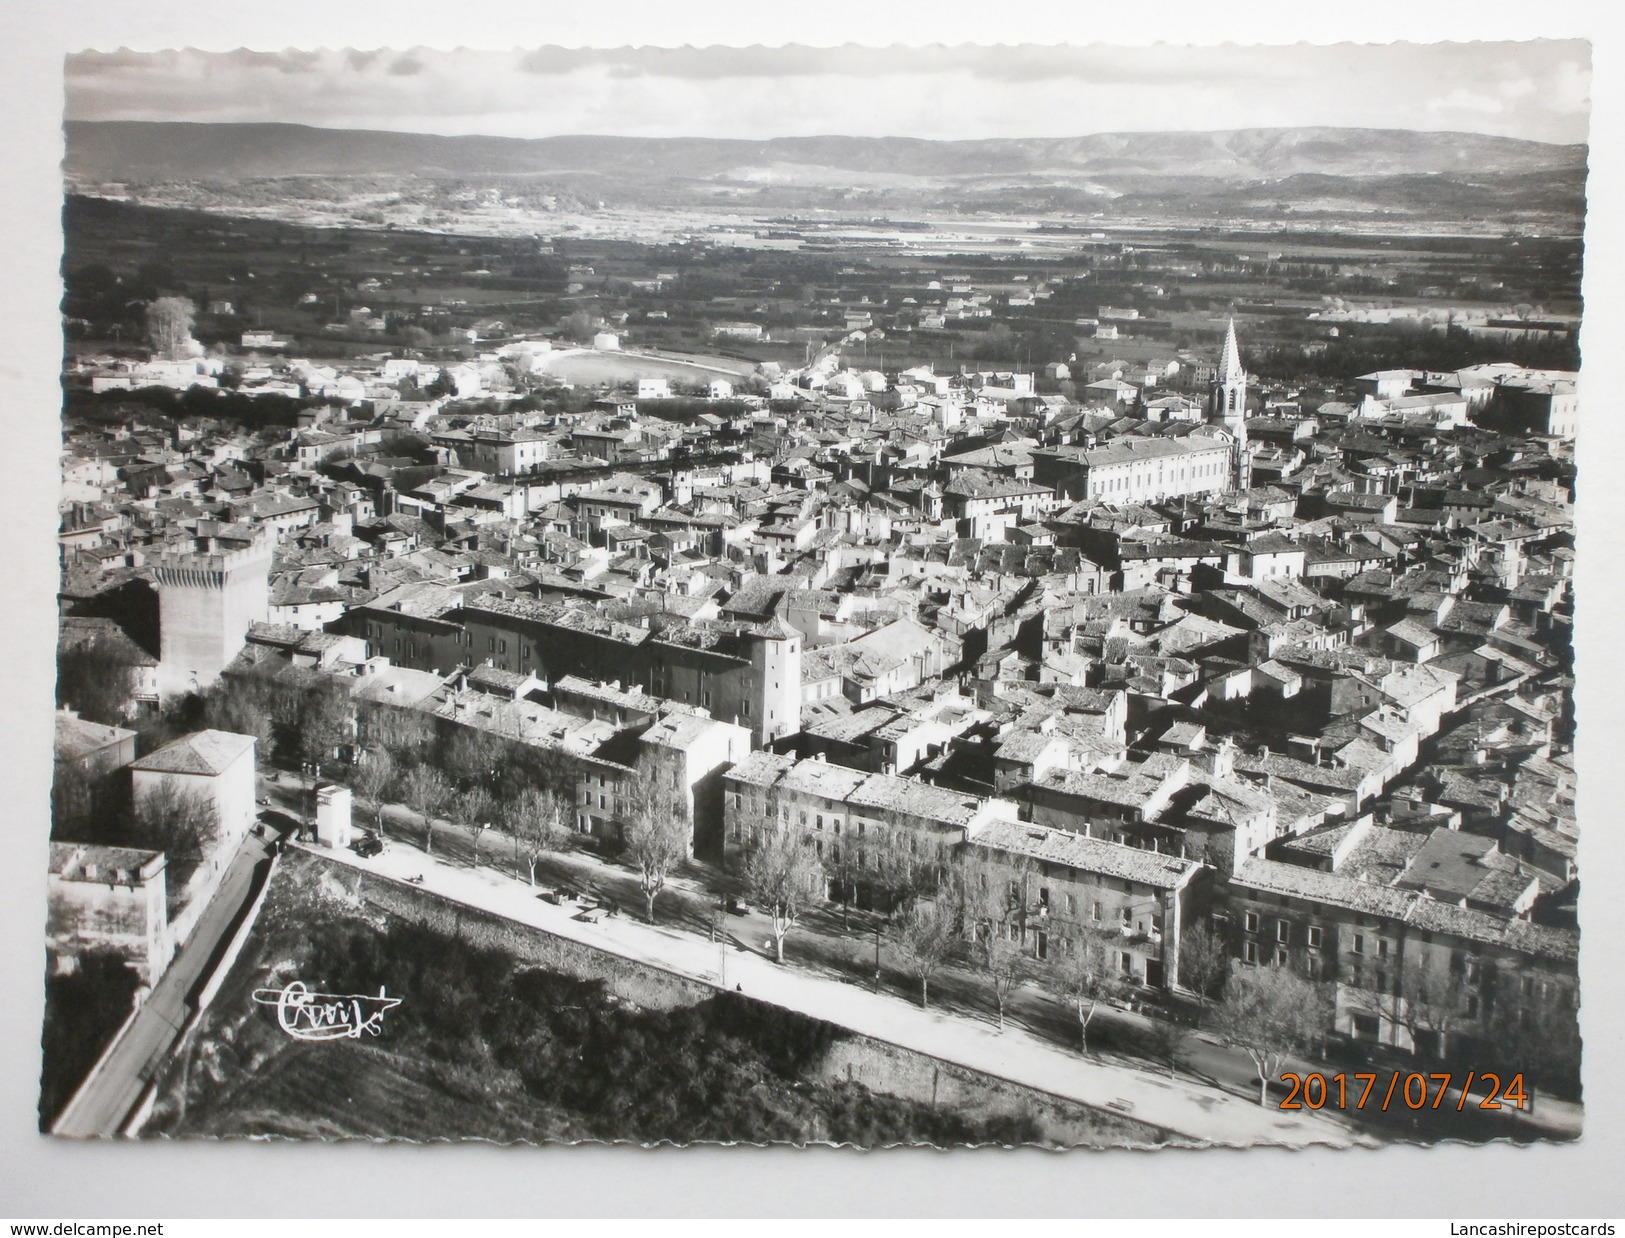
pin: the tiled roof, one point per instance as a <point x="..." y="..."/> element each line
<point x="205" y="752"/>
<point x="1086" y="854"/>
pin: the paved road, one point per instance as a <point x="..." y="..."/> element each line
<point x="1195" y="1113"/>
<point x="104" y="1106"/>
<point x="837" y="949"/>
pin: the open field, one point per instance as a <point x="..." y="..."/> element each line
<point x="587" y="368"/>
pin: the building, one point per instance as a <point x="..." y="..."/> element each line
<point x="217" y="765"/>
<point x="747" y="674"/>
<point x="1078" y="885"/>
<point x="207" y="598"/>
<point x="108" y="899"/>
<point x="1139" y="470"/>
<point x="1227" y="403"/>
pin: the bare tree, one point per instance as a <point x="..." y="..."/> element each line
<point x="1272" y="1014"/>
<point x="1431" y="1003"/>
<point x="782" y="874"/>
<point x="426" y="793"/>
<point x="656" y="841"/>
<point x="476" y="806"/>
<point x="1005" y="967"/>
<point x="169" y="327"/>
<point x="373" y="778"/>
<point x="1204" y="964"/>
<point x="535" y="819"/>
<point x="1536" y="1033"/>
<point x="904" y="864"/>
<point x="179" y="822"/>
<point x="473" y="757"/>
<point x="405" y="733"/>
<point x="925" y="933"/>
<point x="1164" y="1041"/>
<point x="1088" y="978"/>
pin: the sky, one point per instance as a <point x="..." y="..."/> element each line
<point x="1537" y="90"/>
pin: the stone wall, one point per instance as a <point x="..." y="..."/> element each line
<point x="878" y="1065"/>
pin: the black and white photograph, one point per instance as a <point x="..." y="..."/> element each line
<point x="971" y="595"/>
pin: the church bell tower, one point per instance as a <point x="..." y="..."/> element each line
<point x="1227" y="404"/>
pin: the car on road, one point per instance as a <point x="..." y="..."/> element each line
<point x="369" y="845"/>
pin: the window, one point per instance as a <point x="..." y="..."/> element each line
<point x="1469" y="970"/>
<point x="1472" y="1005"/>
<point x="1071" y="905"/>
<point x="1283" y="930"/>
<point x="1382" y="948"/>
<point x="1094" y="912"/>
<point x="1314" y="936"/>
<point x="1251" y="921"/>
<point x="1249" y="952"/>
<point x="1280" y="956"/>
<point x="1359" y="943"/>
<point x="820" y="821"/>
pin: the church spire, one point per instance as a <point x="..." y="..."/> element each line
<point x="1230" y="361"/>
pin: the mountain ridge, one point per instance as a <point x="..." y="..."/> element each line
<point x="149" y="150"/>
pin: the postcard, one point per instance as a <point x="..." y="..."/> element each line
<point x="958" y="596"/>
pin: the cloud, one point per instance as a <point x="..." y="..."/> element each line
<point x="1538" y="89"/>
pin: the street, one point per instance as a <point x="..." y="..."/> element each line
<point x="102" y="1107"/>
<point x="829" y="974"/>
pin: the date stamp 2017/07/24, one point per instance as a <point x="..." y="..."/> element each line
<point x="1414" y="1090"/>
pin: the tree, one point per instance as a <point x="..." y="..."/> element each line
<point x="372" y="779"/>
<point x="426" y="793"/>
<point x="405" y="733"/>
<point x="535" y="818"/>
<point x="1164" y="1040"/>
<point x="904" y="865"/>
<point x="476" y="806"/>
<point x="473" y="757"/>
<point x="241" y="706"/>
<point x="1204" y="963"/>
<point x="169" y="327"/>
<point x="656" y="841"/>
<point x="1536" y="1033"/>
<point x="1088" y="978"/>
<point x="324" y="722"/>
<point x="782" y="875"/>
<point x="925" y="934"/>
<point x="1271" y="1014"/>
<point x="1004" y="965"/>
<point x="96" y="679"/>
<point x="179" y="822"/>
<point x="1431" y="1003"/>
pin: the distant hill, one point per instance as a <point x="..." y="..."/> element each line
<point x="143" y="150"/>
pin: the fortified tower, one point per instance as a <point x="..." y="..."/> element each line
<point x="1227" y="404"/>
<point x="775" y="656"/>
<point x="207" y="598"/>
